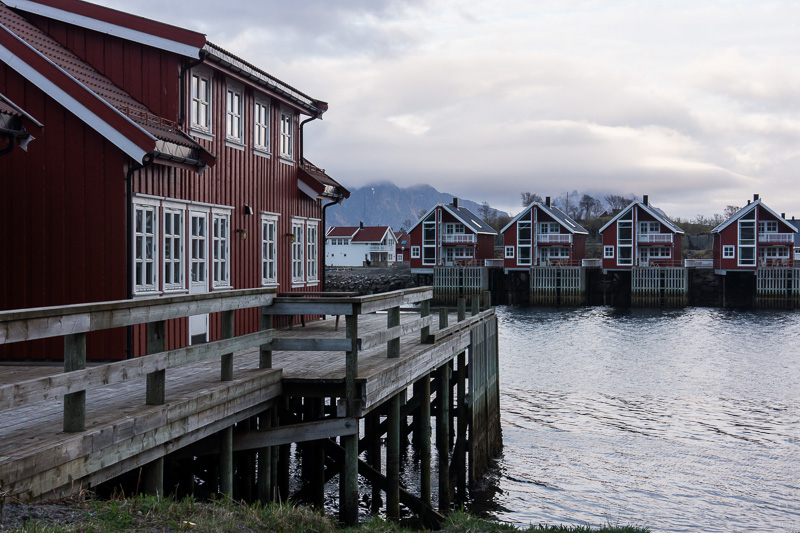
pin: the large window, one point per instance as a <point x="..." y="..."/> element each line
<point x="220" y="251"/>
<point x="287" y="134"/>
<point x="298" y="231"/>
<point x="747" y="239"/>
<point x="454" y="227"/>
<point x="173" y="248"/>
<point x="768" y="226"/>
<point x="311" y="252"/>
<point x="625" y="239"/>
<point x="233" y="121"/>
<point x="269" y="266"/>
<point x="429" y="241"/>
<point x="201" y="102"/>
<point x="261" y="126"/>
<point x="650" y="226"/>
<point x="145" y="249"/>
<point x="549" y="227"/>
<point x="524" y="240"/>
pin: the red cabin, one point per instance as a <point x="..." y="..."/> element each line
<point x="754" y="236"/>
<point x="403" y="247"/>
<point x="450" y="235"/>
<point x="164" y="165"/>
<point x="641" y="235"/>
<point x="543" y="235"/>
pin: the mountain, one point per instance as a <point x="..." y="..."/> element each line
<point x="386" y="204"/>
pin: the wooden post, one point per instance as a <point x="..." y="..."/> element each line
<point x="443" y="436"/>
<point x="348" y="478"/>
<point x="372" y="423"/>
<point x="226" y="462"/>
<point x="226" y="332"/>
<point x="316" y="456"/>
<point x="461" y="439"/>
<point x="393" y="345"/>
<point x="393" y="460"/>
<point x="155" y="395"/>
<point x="476" y="304"/>
<point x="424" y="426"/>
<point x="487" y="299"/>
<point x="424" y="311"/>
<point x="443" y="318"/>
<point x="265" y="356"/>
<point x="156" y="333"/>
<point x="75" y="403"/>
<point x="462" y="308"/>
<point x="265" y="462"/>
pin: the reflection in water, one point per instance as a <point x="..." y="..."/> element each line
<point x="677" y="420"/>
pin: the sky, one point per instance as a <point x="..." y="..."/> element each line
<point x="695" y="103"/>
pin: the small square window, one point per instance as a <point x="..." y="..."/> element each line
<point x="415" y="252"/>
<point x="608" y="252"/>
<point x="509" y="252"/>
<point x="729" y="252"/>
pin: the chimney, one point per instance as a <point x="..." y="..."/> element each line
<point x="755" y="197"/>
<point x="783" y="216"/>
<point x="748" y="202"/>
<point x="361" y="225"/>
<point x="547" y="201"/>
<point x="455" y="203"/>
<point x="646" y="199"/>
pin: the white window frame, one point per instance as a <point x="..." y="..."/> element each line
<point x="261" y="125"/>
<point x="430" y="244"/>
<point x="729" y="251"/>
<point x="509" y="252"/>
<point x="452" y="228"/>
<point x="201" y="102"/>
<point x="140" y="238"/>
<point x="415" y="252"/>
<point x="747" y="244"/>
<point x="220" y="249"/>
<point x="649" y="226"/>
<point x="312" y="239"/>
<point x="608" y="251"/>
<point x="549" y="228"/>
<point x="298" y="249"/>
<point x="287" y="134"/>
<point x="269" y="250"/>
<point x="234" y="114"/>
<point x="177" y="261"/>
<point x="768" y="226"/>
<point x="525" y="244"/>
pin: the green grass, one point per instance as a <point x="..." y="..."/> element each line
<point x="164" y="514"/>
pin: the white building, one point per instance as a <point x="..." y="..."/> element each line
<point x="357" y="246"/>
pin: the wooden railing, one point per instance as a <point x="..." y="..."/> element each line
<point x="73" y="322"/>
<point x="776" y="237"/>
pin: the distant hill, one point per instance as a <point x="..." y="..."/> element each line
<point x="386" y="204"/>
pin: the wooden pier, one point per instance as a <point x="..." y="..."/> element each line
<point x="777" y="287"/>
<point x="246" y="398"/>
<point x="558" y="285"/>
<point x="656" y="286"/>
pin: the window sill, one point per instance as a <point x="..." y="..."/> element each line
<point x="287" y="160"/>
<point x="202" y="134"/>
<point x="173" y="292"/>
<point x="260" y="152"/>
<point x="222" y="288"/>
<point x="312" y="283"/>
<point x="235" y="144"/>
<point x="270" y="285"/>
<point x="298" y="284"/>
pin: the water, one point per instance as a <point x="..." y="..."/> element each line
<point x="678" y="420"/>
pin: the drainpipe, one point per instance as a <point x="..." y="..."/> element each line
<point x="148" y="160"/>
<point x="315" y="117"/>
<point x="182" y="92"/>
<point x="324" y="240"/>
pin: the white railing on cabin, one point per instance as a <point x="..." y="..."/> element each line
<point x="458" y="237"/>
<point x="381" y="248"/>
<point x="592" y="262"/>
<point x="655" y="237"/>
<point x="699" y="263"/>
<point x="775" y="237"/>
<point x="554" y="238"/>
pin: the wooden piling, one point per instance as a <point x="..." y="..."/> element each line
<point x="348" y="478"/>
<point x="226" y="332"/>
<point x="75" y="403"/>
<point x="393" y="460"/>
<point x="443" y="436"/>
<point x="153" y="474"/>
<point x="226" y="462"/>
<point x="424" y="428"/>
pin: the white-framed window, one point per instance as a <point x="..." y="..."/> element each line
<point x="298" y="231"/>
<point x="747" y="239"/>
<point x="198" y="242"/>
<point x="429" y="241"/>
<point x="172" y="244"/>
<point x="415" y="252"/>
<point x="768" y="226"/>
<point x="509" y="252"/>
<point x="311" y="251"/>
<point x="220" y="249"/>
<point x="625" y="239"/>
<point x="145" y="247"/>
<point x="261" y="125"/>
<point x="287" y="134"/>
<point x="649" y="226"/>
<point x="729" y="251"/>
<point x="524" y="241"/>
<point x="399" y="257"/>
<point x="549" y="227"/>
<point x="463" y="252"/>
<point x="269" y="264"/>
<point x="200" y="112"/>
<point x="453" y="227"/>
<point x="608" y="252"/>
<point x="234" y="121"/>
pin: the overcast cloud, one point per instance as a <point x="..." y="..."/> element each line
<point x="696" y="103"/>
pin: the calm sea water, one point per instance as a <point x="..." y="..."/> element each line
<point x="684" y="420"/>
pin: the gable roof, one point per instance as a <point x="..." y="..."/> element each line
<point x="746" y="209"/>
<point x="110" y="21"/>
<point x="92" y="97"/>
<point x="341" y="231"/>
<point x="472" y="221"/>
<point x="557" y="214"/>
<point x="371" y="233"/>
<point x="655" y="212"/>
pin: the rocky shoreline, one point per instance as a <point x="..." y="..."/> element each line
<point x="369" y="280"/>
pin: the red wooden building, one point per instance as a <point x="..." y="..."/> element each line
<point x="543" y="235"/>
<point x="754" y="236"/>
<point x="641" y="235"/>
<point x="164" y="165"/>
<point x="450" y="235"/>
<point x="403" y="247"/>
